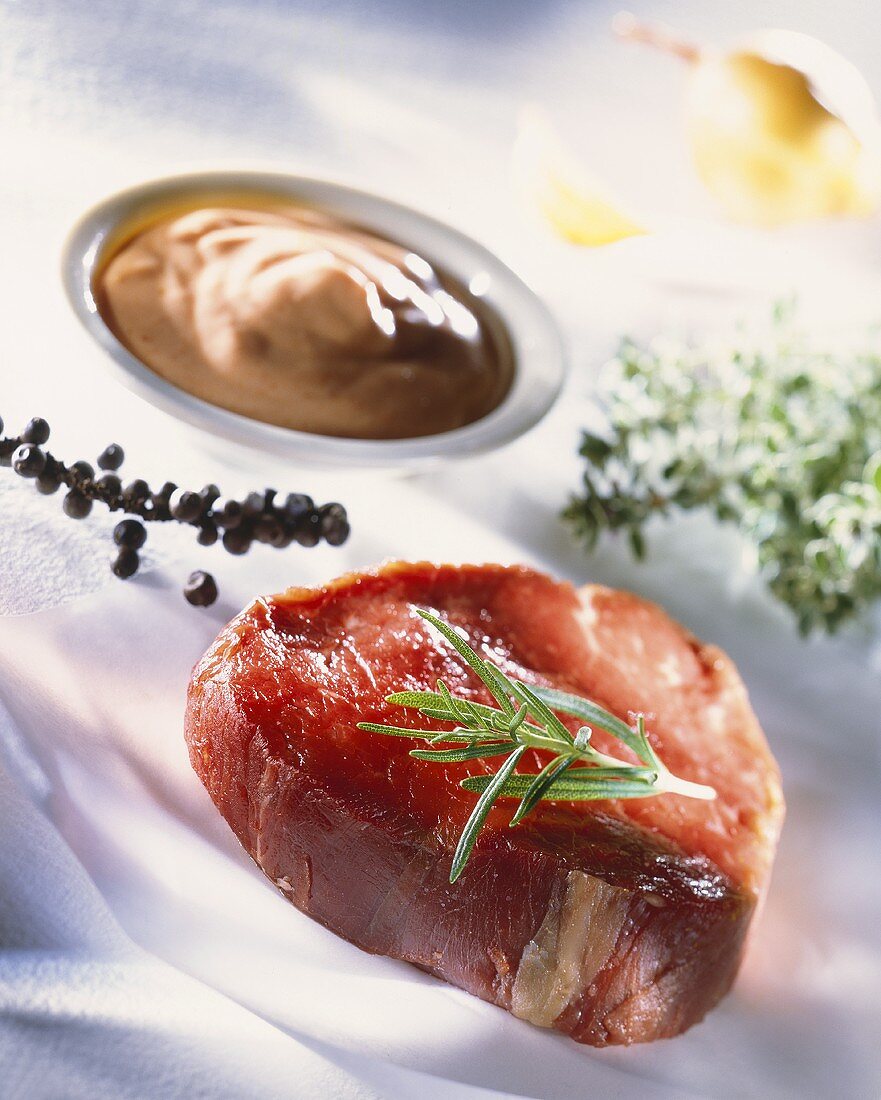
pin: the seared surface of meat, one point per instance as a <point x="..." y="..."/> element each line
<point x="613" y="921"/>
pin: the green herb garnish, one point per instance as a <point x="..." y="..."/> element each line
<point x="524" y="719"/>
<point x="782" y="440"/>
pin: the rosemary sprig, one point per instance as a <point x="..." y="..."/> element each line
<point x="522" y="719"/>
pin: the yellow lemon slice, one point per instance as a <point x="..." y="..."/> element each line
<point x="575" y="204"/>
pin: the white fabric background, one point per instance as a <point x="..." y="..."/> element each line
<point x="140" y="954"/>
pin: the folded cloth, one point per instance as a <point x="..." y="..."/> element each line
<point x="85" y="1013"/>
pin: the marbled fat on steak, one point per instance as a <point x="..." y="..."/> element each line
<point x="613" y="921"/>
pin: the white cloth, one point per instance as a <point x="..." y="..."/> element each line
<point x="140" y="953"/>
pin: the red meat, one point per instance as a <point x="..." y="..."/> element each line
<point x="613" y="921"/>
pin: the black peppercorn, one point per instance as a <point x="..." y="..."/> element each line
<point x="136" y="492"/>
<point x="131" y="533"/>
<point x="282" y="537"/>
<point x="76" y="504"/>
<point x="185" y="506"/>
<point x="259" y="517"/>
<point x="254" y="504"/>
<point x="200" y="589"/>
<point x="298" y="504"/>
<point x="82" y="471"/>
<point x="112" y="457"/>
<point x="266" y="529"/>
<point x="207" y="534"/>
<point x="37" y="431"/>
<point x="126" y="563"/>
<point x="109" y="486"/>
<point x="227" y="513"/>
<point x="28" y="460"/>
<point x="237" y="540"/>
<point x="307" y="530"/>
<point x="48" y="483"/>
<point x="160" y="499"/>
<point x="334" y="524"/>
<point x="209" y="493"/>
<point x="338" y="534"/>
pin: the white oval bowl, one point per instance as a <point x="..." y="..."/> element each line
<point x="539" y="366"/>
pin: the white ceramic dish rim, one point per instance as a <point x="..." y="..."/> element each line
<point x="538" y="348"/>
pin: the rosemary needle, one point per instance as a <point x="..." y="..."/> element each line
<point x="524" y="718"/>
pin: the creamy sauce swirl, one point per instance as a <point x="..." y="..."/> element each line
<point x="293" y="317"/>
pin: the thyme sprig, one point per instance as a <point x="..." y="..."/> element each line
<point x="524" y="718"/>
<point x="774" y="435"/>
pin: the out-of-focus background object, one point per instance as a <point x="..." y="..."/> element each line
<point x="782" y="127"/>
<point x="576" y="204"/>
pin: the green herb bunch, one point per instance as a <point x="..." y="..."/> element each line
<point x="524" y="718"/>
<point x="779" y="438"/>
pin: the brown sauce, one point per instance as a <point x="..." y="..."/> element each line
<point x="293" y="317"/>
